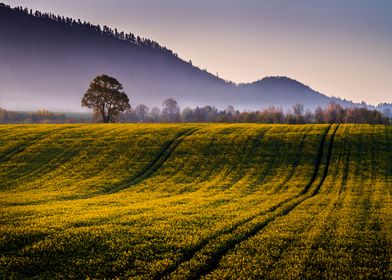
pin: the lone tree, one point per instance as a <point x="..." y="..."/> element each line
<point x="106" y="97"/>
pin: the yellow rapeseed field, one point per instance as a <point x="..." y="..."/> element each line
<point x="190" y="201"/>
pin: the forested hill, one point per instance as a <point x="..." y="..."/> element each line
<point x="47" y="61"/>
<point x="285" y="92"/>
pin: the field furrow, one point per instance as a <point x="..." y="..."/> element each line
<point x="17" y="148"/>
<point x="154" y="165"/>
<point x="190" y="201"/>
<point x="204" y="260"/>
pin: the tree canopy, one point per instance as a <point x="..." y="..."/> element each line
<point x="106" y="97"/>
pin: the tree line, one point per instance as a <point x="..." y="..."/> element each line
<point x="87" y="26"/>
<point x="332" y="113"/>
<point x="109" y="103"/>
<point x="171" y="112"/>
<point x="106" y="97"/>
<point x="38" y="117"/>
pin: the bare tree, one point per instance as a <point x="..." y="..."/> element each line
<point x="155" y="114"/>
<point x="141" y="111"/>
<point x="298" y="111"/>
<point x="171" y="110"/>
<point x="319" y="115"/>
<point x="230" y="109"/>
<point x="334" y="113"/>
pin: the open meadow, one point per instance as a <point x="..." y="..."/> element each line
<point x="190" y="201"/>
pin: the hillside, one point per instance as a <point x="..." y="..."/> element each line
<point x="285" y="92"/>
<point x="47" y="61"/>
<point x="187" y="201"/>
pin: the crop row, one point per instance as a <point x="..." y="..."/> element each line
<point x="189" y="201"/>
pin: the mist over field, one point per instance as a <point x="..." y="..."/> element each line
<point x="48" y="62"/>
<point x="123" y="159"/>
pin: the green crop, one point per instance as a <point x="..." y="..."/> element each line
<point x="189" y="201"/>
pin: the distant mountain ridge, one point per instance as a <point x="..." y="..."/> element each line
<point x="48" y="61"/>
<point x="286" y="92"/>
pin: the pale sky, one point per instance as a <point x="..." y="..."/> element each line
<point x="338" y="47"/>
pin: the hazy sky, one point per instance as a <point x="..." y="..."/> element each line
<point x="338" y="47"/>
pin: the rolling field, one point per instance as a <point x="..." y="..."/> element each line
<point x="190" y="201"/>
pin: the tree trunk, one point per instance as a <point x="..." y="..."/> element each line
<point x="105" y="118"/>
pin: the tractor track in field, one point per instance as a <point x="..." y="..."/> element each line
<point x="333" y="205"/>
<point x="32" y="172"/>
<point x="146" y="172"/>
<point x="339" y="160"/>
<point x="329" y="156"/>
<point x="23" y="146"/>
<point x="22" y="175"/>
<point x="262" y="178"/>
<point x="293" y="169"/>
<point x="153" y="166"/>
<point x="205" y="177"/>
<point x="346" y="167"/>
<point x="335" y="217"/>
<point x="279" y="210"/>
<point x="247" y="150"/>
<point x="161" y="158"/>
